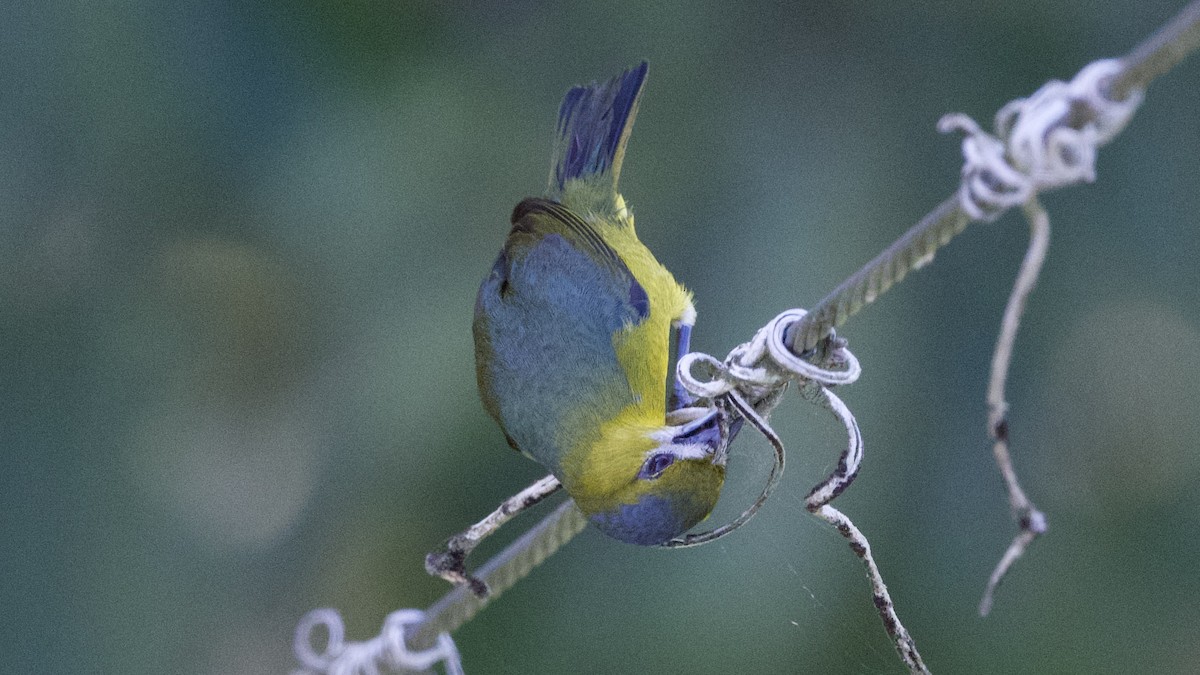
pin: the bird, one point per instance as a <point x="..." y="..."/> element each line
<point x="573" y="333"/>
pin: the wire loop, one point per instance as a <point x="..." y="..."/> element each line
<point x="389" y="647"/>
<point x="1046" y="141"/>
<point x="765" y="363"/>
<point x="750" y="382"/>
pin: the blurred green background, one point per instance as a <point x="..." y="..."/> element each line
<point x="239" y="247"/>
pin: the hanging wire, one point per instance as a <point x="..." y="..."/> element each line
<point x="1032" y="522"/>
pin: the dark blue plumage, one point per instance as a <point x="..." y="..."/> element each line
<point x="649" y="521"/>
<point x="592" y="123"/>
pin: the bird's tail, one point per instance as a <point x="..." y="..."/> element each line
<point x="593" y="127"/>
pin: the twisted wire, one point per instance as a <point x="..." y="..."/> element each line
<point x="1129" y="77"/>
<point x="1134" y="72"/>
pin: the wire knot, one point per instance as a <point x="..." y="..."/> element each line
<point x="389" y="647"/>
<point x="1046" y="141"/>
<point x="766" y="364"/>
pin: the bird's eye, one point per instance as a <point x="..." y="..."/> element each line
<point x="656" y="464"/>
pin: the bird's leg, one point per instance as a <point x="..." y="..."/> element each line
<point x="680" y="398"/>
<point x="451" y="562"/>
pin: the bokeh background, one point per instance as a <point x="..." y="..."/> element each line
<point x="239" y="247"/>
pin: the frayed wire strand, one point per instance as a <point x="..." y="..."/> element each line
<point x="1046" y="141"/>
<point x="762" y="369"/>
<point x="903" y="642"/>
<point x="1031" y="521"/>
<point x="818" y="503"/>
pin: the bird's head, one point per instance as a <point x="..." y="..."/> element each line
<point x="645" y="485"/>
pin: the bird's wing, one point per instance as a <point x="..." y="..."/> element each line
<point x="544" y="325"/>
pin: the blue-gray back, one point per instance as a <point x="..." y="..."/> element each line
<point x="544" y="324"/>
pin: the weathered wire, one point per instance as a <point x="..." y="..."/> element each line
<point x="1159" y="53"/>
<point x="760" y="371"/>
<point x="450" y="563"/>
<point x="500" y="573"/>
<point x="364" y="658"/>
<point x="412" y="640"/>
<point x="1031" y="521"/>
<point x="1135" y="71"/>
<point x="913" y="250"/>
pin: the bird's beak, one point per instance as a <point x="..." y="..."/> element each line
<point x="714" y="430"/>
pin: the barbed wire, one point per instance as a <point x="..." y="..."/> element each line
<point x="1041" y="143"/>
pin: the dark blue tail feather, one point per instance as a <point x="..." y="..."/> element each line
<point x="593" y="127"/>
